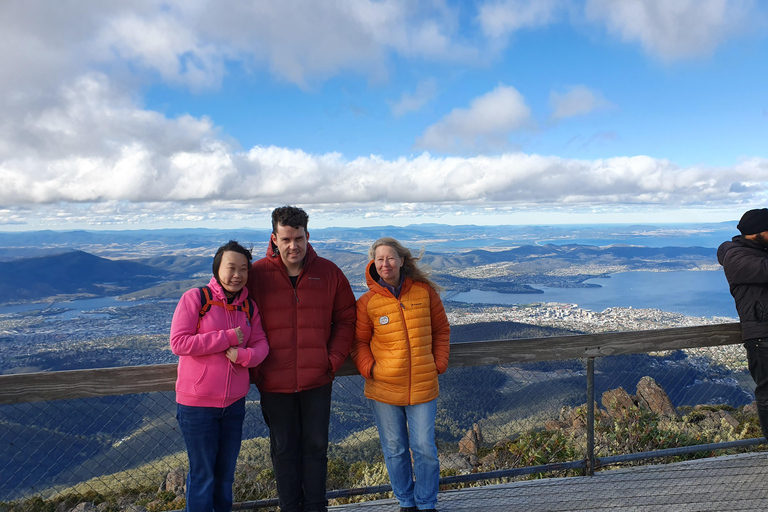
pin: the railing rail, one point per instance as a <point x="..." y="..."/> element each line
<point x="47" y="386"/>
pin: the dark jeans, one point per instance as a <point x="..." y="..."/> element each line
<point x="298" y="436"/>
<point x="212" y="436"/>
<point x="757" y="359"/>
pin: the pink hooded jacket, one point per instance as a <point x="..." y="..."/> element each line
<point x="206" y="377"/>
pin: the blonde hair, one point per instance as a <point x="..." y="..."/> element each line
<point x="410" y="268"/>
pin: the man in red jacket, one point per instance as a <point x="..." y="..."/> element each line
<point x="308" y="312"/>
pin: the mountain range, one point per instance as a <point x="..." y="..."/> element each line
<point x="36" y="266"/>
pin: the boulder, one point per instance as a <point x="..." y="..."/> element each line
<point x="617" y="402"/>
<point x="653" y="397"/>
<point x="175" y="481"/>
<point x="471" y="442"/>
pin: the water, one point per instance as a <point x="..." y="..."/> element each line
<point x="76" y="307"/>
<point x="692" y="293"/>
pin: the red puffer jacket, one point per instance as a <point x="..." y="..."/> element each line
<point x="310" y="328"/>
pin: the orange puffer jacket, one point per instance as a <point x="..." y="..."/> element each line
<point x="401" y="345"/>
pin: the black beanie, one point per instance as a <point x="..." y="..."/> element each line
<point x="754" y="221"/>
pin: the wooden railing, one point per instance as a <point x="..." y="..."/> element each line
<point x="46" y="386"/>
<point x="76" y="384"/>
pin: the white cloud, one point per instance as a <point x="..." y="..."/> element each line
<point x="425" y="92"/>
<point x="486" y="123"/>
<point x="305" y="41"/>
<point x="92" y="149"/>
<point x="189" y="43"/>
<point x="196" y="176"/>
<point x="674" y="29"/>
<point x="498" y="19"/>
<point x="577" y="100"/>
<point x="668" y="29"/>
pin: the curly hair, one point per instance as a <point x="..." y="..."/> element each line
<point x="289" y="216"/>
<point x="410" y="267"/>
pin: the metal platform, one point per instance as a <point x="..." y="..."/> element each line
<point x="733" y="482"/>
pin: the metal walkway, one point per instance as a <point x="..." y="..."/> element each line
<point x="734" y="482"/>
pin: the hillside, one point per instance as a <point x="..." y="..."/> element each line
<point x="73" y="273"/>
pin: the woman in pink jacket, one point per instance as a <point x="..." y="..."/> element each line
<point x="217" y="334"/>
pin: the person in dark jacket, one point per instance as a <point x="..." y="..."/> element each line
<point x="308" y="312"/>
<point x="745" y="261"/>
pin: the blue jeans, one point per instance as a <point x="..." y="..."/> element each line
<point x="298" y="446"/>
<point x="401" y="428"/>
<point x="212" y="436"/>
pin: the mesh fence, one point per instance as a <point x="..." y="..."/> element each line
<point x="126" y="450"/>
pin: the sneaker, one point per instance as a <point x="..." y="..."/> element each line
<point x="409" y="509"/>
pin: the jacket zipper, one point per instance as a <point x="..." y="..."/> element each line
<point x="296" y="331"/>
<point x="408" y="346"/>
<point x="230" y="365"/>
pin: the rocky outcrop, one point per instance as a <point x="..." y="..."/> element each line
<point x="471" y="441"/>
<point x="651" y="396"/>
<point x="618" y="402"/>
<point x="175" y="482"/>
<point x="703" y="416"/>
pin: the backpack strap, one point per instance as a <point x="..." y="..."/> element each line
<point x="206" y="301"/>
<point x="248" y="306"/>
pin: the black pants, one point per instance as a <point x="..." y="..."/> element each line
<point x="757" y="359"/>
<point x="298" y="436"/>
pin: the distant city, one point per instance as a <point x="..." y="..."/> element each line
<point x="123" y="286"/>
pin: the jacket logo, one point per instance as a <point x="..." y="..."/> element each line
<point x="383" y="320"/>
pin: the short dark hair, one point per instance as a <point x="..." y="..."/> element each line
<point x="233" y="246"/>
<point x="289" y="216"/>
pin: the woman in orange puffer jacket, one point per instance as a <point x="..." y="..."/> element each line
<point x="401" y="345"/>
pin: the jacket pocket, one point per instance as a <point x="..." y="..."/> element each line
<point x="761" y="311"/>
<point x="204" y="385"/>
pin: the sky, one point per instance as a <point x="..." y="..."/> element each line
<point x="203" y="113"/>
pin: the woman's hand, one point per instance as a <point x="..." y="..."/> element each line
<point x="231" y="353"/>
<point x="239" y="333"/>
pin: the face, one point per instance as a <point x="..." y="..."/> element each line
<point x="292" y="244"/>
<point x="388" y="264"/>
<point x="233" y="272"/>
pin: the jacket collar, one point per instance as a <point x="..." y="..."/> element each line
<point x="745" y="242"/>
<point x="218" y="292"/>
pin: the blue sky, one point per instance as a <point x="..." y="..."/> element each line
<point x="147" y="114"/>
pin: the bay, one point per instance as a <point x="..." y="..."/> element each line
<point x="75" y="308"/>
<point x="691" y="293"/>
